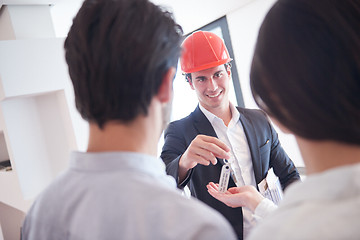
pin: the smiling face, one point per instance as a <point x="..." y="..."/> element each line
<point x="212" y="88"/>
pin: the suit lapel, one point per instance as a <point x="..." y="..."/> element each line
<point x="202" y="124"/>
<point x="252" y="141"/>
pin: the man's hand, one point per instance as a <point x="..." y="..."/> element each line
<point x="202" y="150"/>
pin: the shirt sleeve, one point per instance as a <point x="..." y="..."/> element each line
<point x="265" y="207"/>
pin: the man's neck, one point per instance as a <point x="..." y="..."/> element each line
<point x="132" y="137"/>
<point x="141" y="135"/>
<point x="223" y="112"/>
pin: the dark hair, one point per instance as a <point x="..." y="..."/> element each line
<point x="118" y="52"/>
<point x="306" y="68"/>
<point x="188" y="77"/>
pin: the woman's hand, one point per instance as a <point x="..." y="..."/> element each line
<point x="246" y="196"/>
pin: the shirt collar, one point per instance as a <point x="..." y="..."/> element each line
<point x="120" y="161"/>
<point x="235" y="115"/>
<point x="210" y="116"/>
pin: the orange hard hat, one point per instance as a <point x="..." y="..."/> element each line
<point x="203" y="50"/>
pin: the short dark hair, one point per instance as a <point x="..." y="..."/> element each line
<point x="118" y="52"/>
<point x="306" y="68"/>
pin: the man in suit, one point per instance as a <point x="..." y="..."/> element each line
<point x="196" y="146"/>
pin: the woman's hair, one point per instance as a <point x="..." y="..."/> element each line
<point x="306" y="68"/>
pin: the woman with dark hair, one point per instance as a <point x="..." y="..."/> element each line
<point x="306" y="76"/>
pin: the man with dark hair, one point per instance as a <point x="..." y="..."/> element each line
<point x="196" y="146"/>
<point x="122" y="56"/>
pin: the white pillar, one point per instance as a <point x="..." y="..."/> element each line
<point x="35" y="122"/>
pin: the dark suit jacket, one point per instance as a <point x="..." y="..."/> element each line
<point x="265" y="149"/>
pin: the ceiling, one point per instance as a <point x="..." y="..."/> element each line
<point x="190" y="14"/>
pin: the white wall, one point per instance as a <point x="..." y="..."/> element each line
<point x="192" y="14"/>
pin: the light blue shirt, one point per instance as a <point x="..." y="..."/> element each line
<point x="120" y="195"/>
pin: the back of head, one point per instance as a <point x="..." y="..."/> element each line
<point x="118" y="52"/>
<point x="306" y="68"/>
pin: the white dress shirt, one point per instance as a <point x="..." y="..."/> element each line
<point x="240" y="161"/>
<point x="120" y="195"/>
